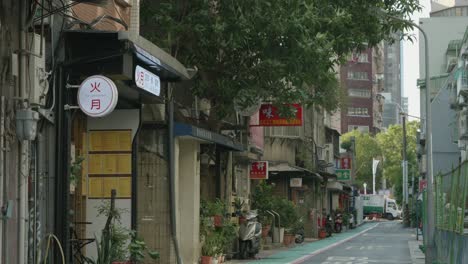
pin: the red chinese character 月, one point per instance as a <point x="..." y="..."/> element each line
<point x="96" y="103"/>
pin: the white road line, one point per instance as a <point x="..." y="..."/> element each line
<point x="304" y="258"/>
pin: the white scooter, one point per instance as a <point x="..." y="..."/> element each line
<point x="250" y="233"/>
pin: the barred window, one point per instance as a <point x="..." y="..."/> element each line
<point x="357" y="75"/>
<point x="363" y="93"/>
<point x="359" y="111"/>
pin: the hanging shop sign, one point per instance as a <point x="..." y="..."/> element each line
<point x="422" y="185"/>
<point x="295" y="182"/>
<point x="343" y="174"/>
<point x="269" y="116"/>
<point x="345" y="163"/>
<point x="97" y="96"/>
<point x="147" y="81"/>
<point x="259" y="170"/>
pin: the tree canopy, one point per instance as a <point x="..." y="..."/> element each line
<point x="269" y="50"/>
<point x="366" y="148"/>
<point x="391" y="144"/>
<point x="386" y="146"/>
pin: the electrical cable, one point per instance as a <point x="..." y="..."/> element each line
<point x="49" y="237"/>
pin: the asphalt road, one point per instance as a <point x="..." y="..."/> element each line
<point x="385" y="244"/>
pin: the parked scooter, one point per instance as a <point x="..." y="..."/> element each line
<point x="250" y="233"/>
<point x="338" y="223"/>
<point x="300" y="233"/>
<point x="329" y="226"/>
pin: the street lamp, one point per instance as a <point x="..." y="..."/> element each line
<point x="429" y="175"/>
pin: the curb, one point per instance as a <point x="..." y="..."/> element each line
<point x="307" y="257"/>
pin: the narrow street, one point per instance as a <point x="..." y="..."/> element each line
<point x="383" y="242"/>
<point x="386" y="243"/>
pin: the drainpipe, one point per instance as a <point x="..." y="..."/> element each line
<point x="2" y="180"/>
<point x="24" y="145"/>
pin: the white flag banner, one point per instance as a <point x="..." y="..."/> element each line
<point x="375" y="163"/>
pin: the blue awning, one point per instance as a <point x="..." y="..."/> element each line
<point x="183" y="130"/>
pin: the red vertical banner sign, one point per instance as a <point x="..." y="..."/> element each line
<point x="269" y="116"/>
<point x="345" y="163"/>
<point x="259" y="170"/>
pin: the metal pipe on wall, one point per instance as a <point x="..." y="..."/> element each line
<point x="24" y="145"/>
<point x="2" y="178"/>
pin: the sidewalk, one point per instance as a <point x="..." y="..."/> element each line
<point x="417" y="256"/>
<point x="300" y="253"/>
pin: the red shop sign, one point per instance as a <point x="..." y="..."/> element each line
<point x="259" y="170"/>
<point x="345" y="163"/>
<point x="422" y="185"/>
<point x="269" y="116"/>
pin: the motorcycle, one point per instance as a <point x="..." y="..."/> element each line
<point x="250" y="232"/>
<point x="300" y="234"/>
<point x="329" y="225"/>
<point x="338" y="223"/>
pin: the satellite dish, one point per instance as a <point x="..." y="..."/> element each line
<point x="246" y="111"/>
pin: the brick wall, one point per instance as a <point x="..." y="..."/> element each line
<point x="354" y="101"/>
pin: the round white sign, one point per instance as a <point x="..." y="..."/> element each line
<point x="97" y="96"/>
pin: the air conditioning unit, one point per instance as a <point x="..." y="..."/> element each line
<point x="462" y="83"/>
<point x="463" y="125"/>
<point x="329" y="151"/>
<point x="453" y="97"/>
<point x="451" y="63"/>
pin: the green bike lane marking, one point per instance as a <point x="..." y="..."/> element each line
<point x="301" y="253"/>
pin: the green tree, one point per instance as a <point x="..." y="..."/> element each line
<point x="269" y="50"/>
<point x="366" y="148"/>
<point x="391" y="144"/>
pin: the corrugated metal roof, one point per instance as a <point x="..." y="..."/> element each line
<point x="455" y="44"/>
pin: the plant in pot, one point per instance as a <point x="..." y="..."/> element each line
<point x="289" y="218"/>
<point x="345" y="220"/>
<point x="210" y="247"/>
<point x="263" y="201"/>
<point x="216" y="210"/>
<point x="238" y="205"/>
<point x="118" y="245"/>
<point x="266" y="225"/>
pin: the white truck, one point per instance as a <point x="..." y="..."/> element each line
<point x="381" y="205"/>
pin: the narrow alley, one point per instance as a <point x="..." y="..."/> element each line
<point x="383" y="242"/>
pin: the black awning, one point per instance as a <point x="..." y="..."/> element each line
<point x="118" y="53"/>
<point x="183" y="130"/>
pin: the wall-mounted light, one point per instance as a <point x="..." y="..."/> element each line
<point x="26" y="124"/>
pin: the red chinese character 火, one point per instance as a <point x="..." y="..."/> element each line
<point x="95" y="86"/>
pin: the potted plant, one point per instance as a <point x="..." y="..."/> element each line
<point x="208" y="250"/>
<point x="238" y="205"/>
<point x="216" y="210"/>
<point x="266" y="226"/>
<point x="322" y="233"/>
<point x="289" y="218"/>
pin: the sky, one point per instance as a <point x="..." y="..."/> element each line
<point x="410" y="64"/>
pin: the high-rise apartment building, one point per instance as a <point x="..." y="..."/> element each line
<point x="362" y="80"/>
<point x="392" y="89"/>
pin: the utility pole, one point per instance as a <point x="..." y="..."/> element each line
<point x="405" y="173"/>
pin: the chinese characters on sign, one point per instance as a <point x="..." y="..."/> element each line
<point x="295" y="182"/>
<point x="259" y="170"/>
<point x="147" y="81"/>
<point x="343" y="174"/>
<point x="345" y="163"/>
<point x="97" y="96"/>
<point x="269" y="116"/>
